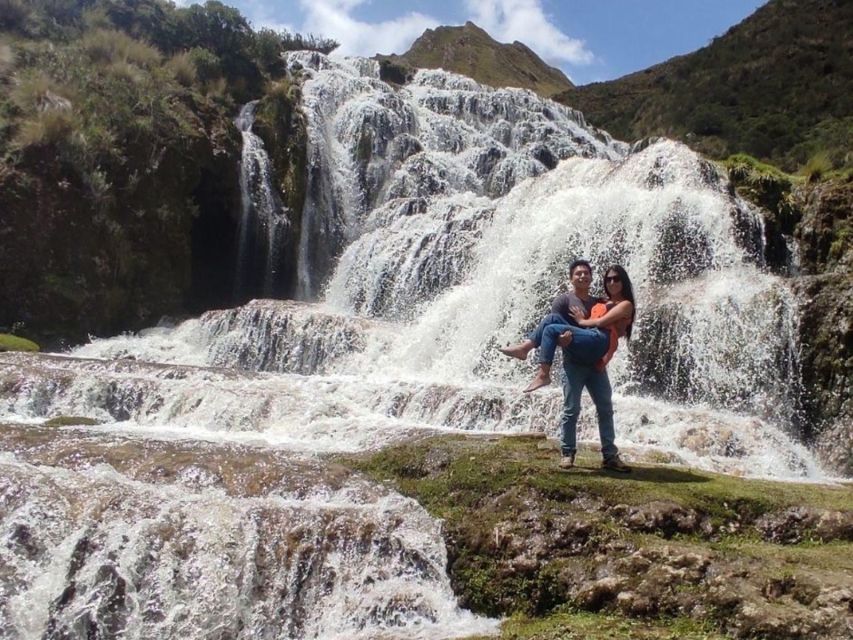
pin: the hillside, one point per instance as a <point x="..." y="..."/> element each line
<point x="778" y="86"/>
<point x="118" y="184"/>
<point x="474" y="53"/>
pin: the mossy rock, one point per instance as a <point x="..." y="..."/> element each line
<point x="71" y="421"/>
<point x="9" y="342"/>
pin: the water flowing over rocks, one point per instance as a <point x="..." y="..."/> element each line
<point x="264" y="221"/>
<point x="370" y="143"/>
<point x="110" y="535"/>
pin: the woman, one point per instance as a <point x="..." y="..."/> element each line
<point x="594" y="340"/>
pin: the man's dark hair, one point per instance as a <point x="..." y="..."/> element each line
<point x="579" y="263"/>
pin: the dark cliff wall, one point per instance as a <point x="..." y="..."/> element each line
<point x="74" y="263"/>
<point x="819" y="217"/>
<point x="825" y="237"/>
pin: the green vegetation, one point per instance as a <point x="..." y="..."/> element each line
<point x="580" y="625"/>
<point x="71" y="421"/>
<point x="14" y="343"/>
<point x="776" y="86"/>
<point x="528" y="539"/>
<point x="116" y="136"/>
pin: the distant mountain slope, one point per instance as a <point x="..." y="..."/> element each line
<point x="779" y="86"/>
<point x="472" y="52"/>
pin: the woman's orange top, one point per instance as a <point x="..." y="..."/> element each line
<point x="599" y="310"/>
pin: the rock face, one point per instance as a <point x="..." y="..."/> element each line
<point x="74" y="264"/>
<point x="825" y="237"/>
<point x="472" y="52"/>
<point x="809" y="237"/>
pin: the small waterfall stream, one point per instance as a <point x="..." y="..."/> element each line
<point x="263" y="218"/>
<point x="439" y="223"/>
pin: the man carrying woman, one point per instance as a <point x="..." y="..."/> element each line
<point x="588" y="335"/>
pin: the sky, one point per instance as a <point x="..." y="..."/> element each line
<point x="589" y="40"/>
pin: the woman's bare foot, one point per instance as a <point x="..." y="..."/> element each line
<point x="541" y="380"/>
<point x="519" y="350"/>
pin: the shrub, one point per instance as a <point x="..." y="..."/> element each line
<point x="107" y="46"/>
<point x="817" y="166"/>
<point x="183" y="69"/>
<point x="45" y="128"/>
<point x="206" y="63"/>
<point x="13" y="14"/>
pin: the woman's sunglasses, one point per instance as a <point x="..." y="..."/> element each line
<point x="612" y="279"/>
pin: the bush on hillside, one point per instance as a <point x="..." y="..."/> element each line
<point x="13" y="15"/>
<point x="817" y="166"/>
<point x="183" y="69"/>
<point x="116" y="47"/>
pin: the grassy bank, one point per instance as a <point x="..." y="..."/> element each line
<point x="744" y="558"/>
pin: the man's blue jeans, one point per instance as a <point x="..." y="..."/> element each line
<point x="578" y="376"/>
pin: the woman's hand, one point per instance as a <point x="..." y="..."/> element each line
<point x="579" y="315"/>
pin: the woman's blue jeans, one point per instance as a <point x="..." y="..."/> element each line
<point x="586" y="348"/>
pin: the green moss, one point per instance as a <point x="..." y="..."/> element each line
<point x="70" y="421"/>
<point x="14" y="343"/>
<point x="576" y="625"/>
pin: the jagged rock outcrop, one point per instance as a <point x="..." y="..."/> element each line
<point x="526" y="537"/>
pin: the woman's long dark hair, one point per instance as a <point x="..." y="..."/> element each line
<point x="627" y="291"/>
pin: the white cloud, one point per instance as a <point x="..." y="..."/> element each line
<point x="333" y="19"/>
<point x="525" y="21"/>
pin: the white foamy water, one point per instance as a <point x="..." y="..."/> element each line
<point x="99" y="550"/>
<point x="263" y="218"/>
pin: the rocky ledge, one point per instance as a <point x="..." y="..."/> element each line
<point x="662" y="552"/>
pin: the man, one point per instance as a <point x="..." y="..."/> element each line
<point x="578" y="376"/>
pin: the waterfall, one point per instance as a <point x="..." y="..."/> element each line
<point x="439" y="222"/>
<point x="263" y="218"/>
<point x="109" y="536"/>
<point x="370" y="144"/>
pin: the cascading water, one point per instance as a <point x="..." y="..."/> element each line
<point x="198" y="505"/>
<point x="263" y="218"/>
<point x="370" y="144"/>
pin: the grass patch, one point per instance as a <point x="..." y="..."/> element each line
<point x="574" y="625"/>
<point x="70" y="421"/>
<point x="471" y="468"/>
<point x="9" y="342"/>
<point x="817" y="166"/>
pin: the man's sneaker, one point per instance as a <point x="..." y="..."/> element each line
<point x="615" y="463"/>
<point x="567" y="462"/>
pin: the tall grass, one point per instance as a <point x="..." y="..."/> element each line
<point x="817" y="166"/>
<point x="36" y="91"/>
<point x="45" y="128"/>
<point x="108" y="46"/>
<point x="183" y="69"/>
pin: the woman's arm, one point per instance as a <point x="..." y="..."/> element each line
<point x="618" y="312"/>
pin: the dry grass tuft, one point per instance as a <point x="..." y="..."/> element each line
<point x="183" y="69"/>
<point x="45" y="128"/>
<point x="108" y="47"/>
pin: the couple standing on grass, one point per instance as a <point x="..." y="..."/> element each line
<point x="588" y="329"/>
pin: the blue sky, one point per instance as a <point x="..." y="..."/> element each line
<point x="590" y="40"/>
